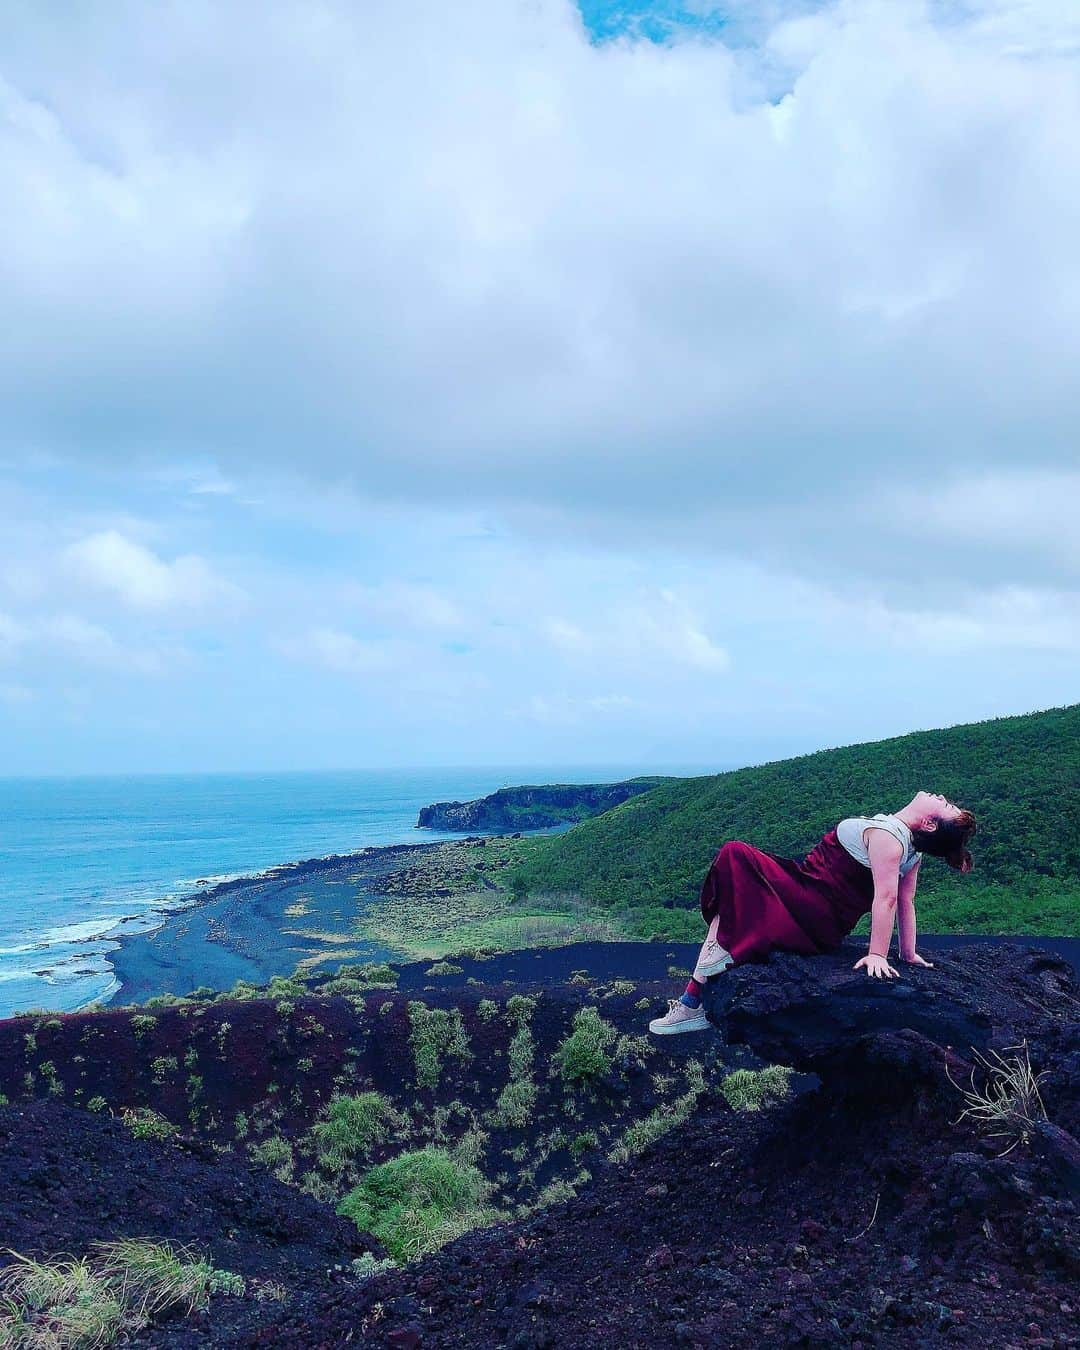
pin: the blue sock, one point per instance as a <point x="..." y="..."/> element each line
<point x="691" y="1000"/>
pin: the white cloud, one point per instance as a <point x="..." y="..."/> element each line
<point x="91" y="644"/>
<point x="396" y="668"/>
<point x="406" y="604"/>
<point x="344" y="653"/>
<point x="462" y="254"/>
<point x="12" y="635"/>
<point x="1004" y="617"/>
<point x="136" y="575"/>
<point x="654" y="630"/>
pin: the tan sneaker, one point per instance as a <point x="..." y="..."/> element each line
<point x="679" y="1018"/>
<point x="712" y="959"/>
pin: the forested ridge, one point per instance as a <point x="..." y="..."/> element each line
<point x="1019" y="775"/>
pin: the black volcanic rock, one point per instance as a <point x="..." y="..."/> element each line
<point x="532" y="808"/>
<point x="820" y="1014"/>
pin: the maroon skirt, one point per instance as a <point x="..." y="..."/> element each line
<point x="766" y="902"/>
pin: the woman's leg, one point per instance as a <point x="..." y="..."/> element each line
<point x="685" y="1013"/>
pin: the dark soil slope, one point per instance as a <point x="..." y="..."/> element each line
<point x="838" y="1223"/>
<point x="867" y="1212"/>
<point x="68" y="1178"/>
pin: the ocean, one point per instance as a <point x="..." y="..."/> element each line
<point x="80" y="856"/>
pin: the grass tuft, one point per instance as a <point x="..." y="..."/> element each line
<point x="418" y="1201"/>
<point x="756" y="1089"/>
<point x="351" y="1126"/>
<point x="1009" y="1103"/>
<point x="584" y="1055"/>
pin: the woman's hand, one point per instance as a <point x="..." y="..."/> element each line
<point x="877" y="965"/>
<point x="916" y="960"/>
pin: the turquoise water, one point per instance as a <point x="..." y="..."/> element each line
<point x="78" y="856"/>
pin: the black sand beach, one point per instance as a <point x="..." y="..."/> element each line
<point x="256" y="927"/>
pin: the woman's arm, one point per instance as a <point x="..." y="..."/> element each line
<point x="905" y="913"/>
<point x="885" y="852"/>
<point x="905" y="917"/>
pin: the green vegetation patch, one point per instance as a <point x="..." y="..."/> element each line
<point x="418" y="1201"/>
<point x="476" y="908"/>
<point x="638" y="1136"/>
<point x="755" y="1089"/>
<point x="435" y="1035"/>
<point x="352" y="1125"/>
<point x="147" y="1124"/>
<point x="584" y="1055"/>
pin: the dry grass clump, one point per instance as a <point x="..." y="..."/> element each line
<point x="66" y="1304"/>
<point x="1009" y="1103"/>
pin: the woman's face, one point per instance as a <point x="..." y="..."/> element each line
<point x="936" y="806"/>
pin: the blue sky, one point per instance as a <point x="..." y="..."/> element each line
<point x="646" y="385"/>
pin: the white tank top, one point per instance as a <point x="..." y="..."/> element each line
<point x="850" y="834"/>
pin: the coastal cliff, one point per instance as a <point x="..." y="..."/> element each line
<point x="533" y="807"/>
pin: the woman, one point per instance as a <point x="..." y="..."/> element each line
<point x="756" y="902"/>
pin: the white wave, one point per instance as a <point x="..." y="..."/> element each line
<point x="84" y="931"/>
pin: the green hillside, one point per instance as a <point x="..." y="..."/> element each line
<point x="1020" y="775"/>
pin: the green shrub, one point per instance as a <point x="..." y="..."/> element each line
<point x="584" y="1055"/>
<point x="516" y="1103"/>
<point x="52" y="1078"/>
<point x="582" y="1143"/>
<point x="617" y="987"/>
<point x="435" y="1034"/>
<point x="371" y="972"/>
<point x="276" y="1154"/>
<point x="364" y="1267"/>
<point x="241" y="991"/>
<point x="142" y="1024"/>
<point x="97" y="1104"/>
<point x="519" y="1009"/>
<point x="284" y="987"/>
<point x="351" y="1126"/>
<point x="521" y="1053"/>
<point x="163" y="1066"/>
<point x="486" y="1009"/>
<point x="754" y="1089"/>
<point x="444" y="968"/>
<point x="147" y="1124"/>
<point x="469" y="1149"/>
<point x="418" y="1201"/>
<point x="632" y="1052"/>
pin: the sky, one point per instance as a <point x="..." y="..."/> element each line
<point x="500" y="383"/>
